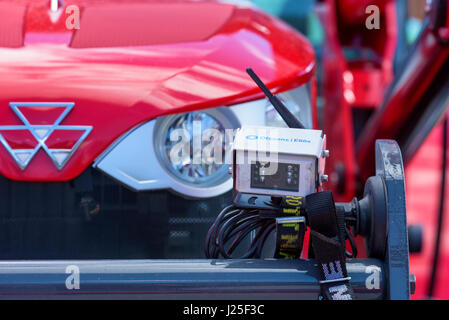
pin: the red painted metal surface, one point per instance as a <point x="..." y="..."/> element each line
<point x="431" y="54"/>
<point x="423" y="183"/>
<point x="110" y="26"/>
<point x="116" y="88"/>
<point x="11" y="23"/>
<point x="336" y="111"/>
<point x="354" y="80"/>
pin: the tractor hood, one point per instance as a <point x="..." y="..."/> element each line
<point x="67" y="94"/>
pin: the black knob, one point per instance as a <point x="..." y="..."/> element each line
<point x="415" y="238"/>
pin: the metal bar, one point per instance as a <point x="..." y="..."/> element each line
<point x="390" y="167"/>
<point x="179" y="279"/>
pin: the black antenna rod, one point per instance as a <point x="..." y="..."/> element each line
<point x="287" y="116"/>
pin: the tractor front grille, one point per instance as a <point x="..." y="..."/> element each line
<point x="45" y="221"/>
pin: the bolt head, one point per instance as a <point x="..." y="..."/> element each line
<point x="412" y="280"/>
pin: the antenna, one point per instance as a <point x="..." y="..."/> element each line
<point x="287" y="116"/>
<point x="54" y="5"/>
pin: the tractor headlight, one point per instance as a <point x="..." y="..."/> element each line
<point x="298" y="101"/>
<point x="193" y="147"/>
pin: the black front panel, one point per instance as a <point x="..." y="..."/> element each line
<point x="46" y="221"/>
<point x="286" y="177"/>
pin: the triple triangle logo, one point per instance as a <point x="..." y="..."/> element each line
<point x="42" y="129"/>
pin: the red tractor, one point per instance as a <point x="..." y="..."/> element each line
<point x="92" y="93"/>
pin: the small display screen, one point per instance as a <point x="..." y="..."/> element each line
<point x="285" y="178"/>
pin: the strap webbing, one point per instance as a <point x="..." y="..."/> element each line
<point x="290" y="229"/>
<point x="289" y="237"/>
<point x="328" y="242"/>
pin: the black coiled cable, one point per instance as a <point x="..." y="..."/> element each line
<point x="232" y="227"/>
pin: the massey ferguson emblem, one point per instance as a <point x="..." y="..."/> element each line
<point x="42" y="129"/>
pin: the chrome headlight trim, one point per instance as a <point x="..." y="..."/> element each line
<point x="223" y="118"/>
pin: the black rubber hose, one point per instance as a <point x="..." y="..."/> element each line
<point x="436" y="254"/>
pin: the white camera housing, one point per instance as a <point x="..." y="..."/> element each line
<point x="278" y="161"/>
